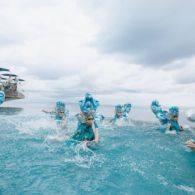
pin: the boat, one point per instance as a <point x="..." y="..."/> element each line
<point x="9" y="86"/>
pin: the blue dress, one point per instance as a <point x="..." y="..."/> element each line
<point x="85" y="132"/>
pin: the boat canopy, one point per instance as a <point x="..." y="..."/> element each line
<point x="12" y="75"/>
<point x="4" y="69"/>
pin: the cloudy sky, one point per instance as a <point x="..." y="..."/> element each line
<point x="119" y="50"/>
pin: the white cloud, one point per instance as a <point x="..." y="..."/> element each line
<point x="49" y="44"/>
<point x="149" y="32"/>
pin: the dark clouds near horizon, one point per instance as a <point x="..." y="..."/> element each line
<point x="151" y="32"/>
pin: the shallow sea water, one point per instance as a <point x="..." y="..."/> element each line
<point x="134" y="159"/>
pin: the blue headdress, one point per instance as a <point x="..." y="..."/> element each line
<point x="60" y="106"/>
<point x="85" y="106"/>
<point x="159" y="113"/>
<point x="2" y="97"/>
<point x="118" y="108"/>
<point x="155" y="106"/>
<point x="174" y="111"/>
<point x="127" y="108"/>
<point x="88" y="104"/>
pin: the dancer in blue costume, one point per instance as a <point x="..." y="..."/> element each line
<point x="60" y="114"/>
<point x="167" y="118"/>
<point x="118" y="113"/>
<point x="2" y="97"/>
<point x="122" y="112"/>
<point x="87" y="130"/>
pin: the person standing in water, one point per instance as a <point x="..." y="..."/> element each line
<point x="168" y="118"/>
<point x="60" y="114"/>
<point x="173" y="117"/>
<point x="122" y="113"/>
<point x="118" y="113"/>
<point x="87" y="130"/>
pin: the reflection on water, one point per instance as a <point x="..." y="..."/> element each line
<point x="10" y="111"/>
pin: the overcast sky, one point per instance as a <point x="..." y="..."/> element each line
<point x="119" y="50"/>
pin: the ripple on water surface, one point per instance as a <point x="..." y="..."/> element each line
<point x="136" y="159"/>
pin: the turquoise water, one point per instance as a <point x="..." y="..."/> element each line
<point x="136" y="159"/>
